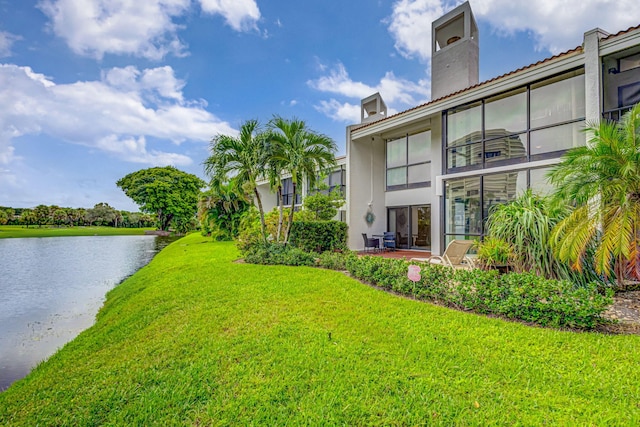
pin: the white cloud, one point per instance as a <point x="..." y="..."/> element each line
<point x="135" y="151"/>
<point x="410" y="26"/>
<point x="117" y="114"/>
<point x="555" y="26"/>
<point x="340" y="112"/>
<point x="241" y="15"/>
<point x="395" y="91"/>
<point x="143" y="28"/>
<point x="6" y="42"/>
<point x="131" y="27"/>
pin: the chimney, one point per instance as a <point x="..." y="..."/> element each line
<point x="454" y="52"/>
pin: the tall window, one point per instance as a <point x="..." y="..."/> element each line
<point x="469" y="201"/>
<point x="538" y="121"/>
<point x="408" y="161"/>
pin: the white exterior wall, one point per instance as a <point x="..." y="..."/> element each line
<point x="592" y="75"/>
<point x="365" y="188"/>
<point x="269" y="199"/>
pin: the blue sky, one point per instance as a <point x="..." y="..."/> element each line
<point x="91" y="90"/>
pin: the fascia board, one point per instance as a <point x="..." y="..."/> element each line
<point x="616" y="44"/>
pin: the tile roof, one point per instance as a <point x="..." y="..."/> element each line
<point x="576" y="50"/>
<point x="619" y="33"/>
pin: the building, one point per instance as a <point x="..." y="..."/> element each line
<point x="334" y="179"/>
<point x="431" y="173"/>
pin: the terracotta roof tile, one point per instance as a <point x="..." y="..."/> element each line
<point x="619" y="33"/>
<point x="527" y="67"/>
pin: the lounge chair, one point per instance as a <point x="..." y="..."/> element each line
<point x="454" y="256"/>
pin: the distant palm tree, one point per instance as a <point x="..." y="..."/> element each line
<point x="602" y="181"/>
<point x="301" y="153"/>
<point x="244" y="158"/>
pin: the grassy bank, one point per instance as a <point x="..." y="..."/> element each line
<point x="195" y="339"/>
<point x="7" y="231"/>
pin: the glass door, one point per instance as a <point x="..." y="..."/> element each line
<point x="421" y="227"/>
<point x="399" y="224"/>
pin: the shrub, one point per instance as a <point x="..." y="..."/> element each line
<point x="524" y="296"/>
<point x="319" y="236"/>
<point x="277" y="254"/>
<point x="334" y="260"/>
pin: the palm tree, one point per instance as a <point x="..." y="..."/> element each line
<point x="244" y="157"/>
<point x="222" y="205"/>
<point x="602" y="181"/>
<point x="301" y="153"/>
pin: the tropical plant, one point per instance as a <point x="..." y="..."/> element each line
<point x="494" y="252"/>
<point x="602" y="181"/>
<point x="220" y="209"/>
<point x="244" y="157"/>
<point x="301" y="153"/>
<point x="166" y="191"/>
<point x="526" y="224"/>
<point x="324" y="207"/>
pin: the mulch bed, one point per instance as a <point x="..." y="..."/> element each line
<point x="624" y="314"/>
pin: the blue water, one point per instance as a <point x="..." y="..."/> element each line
<point x="52" y="288"/>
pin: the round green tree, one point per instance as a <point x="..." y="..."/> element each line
<point x="169" y="193"/>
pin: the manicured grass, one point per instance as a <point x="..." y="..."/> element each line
<point x="195" y="339"/>
<point x="7" y="231"/>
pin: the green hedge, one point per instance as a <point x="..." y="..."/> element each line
<point x="277" y="254"/>
<point x="524" y="296"/>
<point x="319" y="236"/>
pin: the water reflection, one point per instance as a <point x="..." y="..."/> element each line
<point x="52" y="288"/>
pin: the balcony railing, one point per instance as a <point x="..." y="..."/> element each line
<point x="615" y="115"/>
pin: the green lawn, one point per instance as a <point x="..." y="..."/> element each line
<point x="196" y="339"/>
<point x="7" y="231"/>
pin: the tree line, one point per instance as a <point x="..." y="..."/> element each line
<point x="100" y="215"/>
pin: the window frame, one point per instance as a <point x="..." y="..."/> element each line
<point x="407" y="164"/>
<point x="484" y="162"/>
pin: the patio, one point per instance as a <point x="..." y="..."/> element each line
<point x="397" y="254"/>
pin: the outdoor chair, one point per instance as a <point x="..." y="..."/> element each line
<point x="389" y="240"/>
<point x="402" y="240"/>
<point x="370" y="243"/>
<point x="454" y="256"/>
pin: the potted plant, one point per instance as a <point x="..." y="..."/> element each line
<point x="495" y="254"/>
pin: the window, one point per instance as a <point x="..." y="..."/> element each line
<point x="334" y="180"/>
<point x="629" y="62"/>
<point x="408" y="164"/>
<point x="287" y="192"/>
<point x="463" y="213"/>
<point x="530" y="123"/>
<point x="469" y="201"/>
<point x="557" y="101"/>
<point x="538" y="181"/>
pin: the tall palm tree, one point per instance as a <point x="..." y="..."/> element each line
<point x="602" y="181"/>
<point x="244" y="158"/>
<point x="301" y="153"/>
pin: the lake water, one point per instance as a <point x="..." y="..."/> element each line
<point x="52" y="288"/>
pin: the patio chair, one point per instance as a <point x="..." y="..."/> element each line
<point x="389" y="240"/>
<point x="454" y="256"/>
<point x="370" y="243"/>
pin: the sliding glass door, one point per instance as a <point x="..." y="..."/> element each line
<point x="411" y="225"/>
